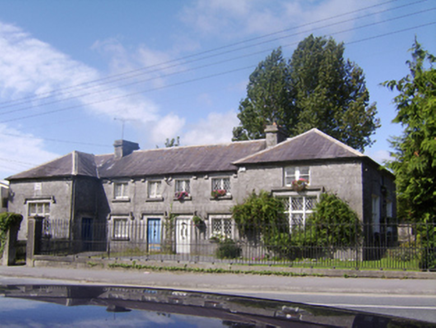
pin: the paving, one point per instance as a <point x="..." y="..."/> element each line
<point x="223" y="282"/>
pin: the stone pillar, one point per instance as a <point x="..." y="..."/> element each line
<point x="34" y="234"/>
<point x="10" y="250"/>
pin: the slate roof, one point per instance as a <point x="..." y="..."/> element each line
<point x="311" y="145"/>
<point x="178" y="160"/>
<point x="75" y="163"/>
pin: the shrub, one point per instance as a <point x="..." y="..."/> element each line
<point x="263" y="216"/>
<point x="405" y="252"/>
<point x="332" y="224"/>
<point x="7" y="220"/>
<point x="228" y="249"/>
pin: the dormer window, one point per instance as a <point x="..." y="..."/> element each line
<point x="293" y="173"/>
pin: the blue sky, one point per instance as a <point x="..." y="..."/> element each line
<point x="72" y="73"/>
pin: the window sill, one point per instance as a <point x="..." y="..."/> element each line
<point x="182" y="199"/>
<point x="120" y="239"/>
<point x="226" y="197"/>
<point x="157" y="199"/>
<point x="120" y="200"/>
<point x="288" y="188"/>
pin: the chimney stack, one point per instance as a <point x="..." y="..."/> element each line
<point x="274" y="135"/>
<point x="123" y="148"/>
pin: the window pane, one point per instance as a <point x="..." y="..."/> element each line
<point x="216" y="226"/>
<point x="310" y="203"/>
<point x="297" y="219"/>
<point x="227" y="228"/>
<point x="304" y="170"/>
<point x="182" y="185"/>
<point x="154" y="189"/>
<point x="32" y="209"/>
<point x="290" y="171"/>
<point x="221" y="184"/>
<point x="216" y="184"/>
<point x="226" y="185"/>
<point x="120" y="190"/>
<point x="297" y="204"/>
<point x="221" y="228"/>
<point x="120" y="228"/>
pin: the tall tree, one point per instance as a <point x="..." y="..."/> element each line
<point x="267" y="98"/>
<point x="318" y="88"/>
<point x="414" y="163"/>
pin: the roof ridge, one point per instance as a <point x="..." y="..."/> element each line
<point x="190" y="146"/>
<point x="289" y="140"/>
<point x="339" y="143"/>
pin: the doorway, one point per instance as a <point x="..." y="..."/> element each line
<point x="154" y="228"/>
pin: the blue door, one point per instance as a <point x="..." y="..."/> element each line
<point x="154" y="234"/>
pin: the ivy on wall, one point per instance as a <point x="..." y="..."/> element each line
<point x="7" y="220"/>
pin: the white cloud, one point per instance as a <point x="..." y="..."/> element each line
<point x="217" y="128"/>
<point x="169" y="127"/>
<point x="222" y="18"/>
<point x="31" y="67"/>
<point x="380" y="156"/>
<point x="20" y="151"/>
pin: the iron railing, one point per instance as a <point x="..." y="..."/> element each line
<point x="360" y="246"/>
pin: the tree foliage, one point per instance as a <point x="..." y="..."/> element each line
<point x="333" y="223"/>
<point x="262" y="215"/>
<point x="414" y="163"/>
<point x="316" y="88"/>
<point x="267" y="98"/>
<point x="7" y="220"/>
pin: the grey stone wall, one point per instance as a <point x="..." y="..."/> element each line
<point x="341" y="178"/>
<point x="56" y="192"/>
<point x="138" y="203"/>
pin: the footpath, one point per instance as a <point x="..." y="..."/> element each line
<point x="420" y="285"/>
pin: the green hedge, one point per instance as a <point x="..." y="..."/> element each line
<point x="7" y="220"/>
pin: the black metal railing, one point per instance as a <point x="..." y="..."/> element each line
<point x="362" y="246"/>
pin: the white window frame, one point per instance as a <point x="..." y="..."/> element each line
<point x="46" y="224"/>
<point x="182" y="185"/>
<point x="154" y="189"/>
<point x="221" y="184"/>
<point x="292" y="173"/>
<point x="305" y="210"/>
<point x="124" y="190"/>
<point x="120" y="222"/>
<point x="226" y="222"/>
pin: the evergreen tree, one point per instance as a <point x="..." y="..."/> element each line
<point x="317" y="88"/>
<point x="414" y="163"/>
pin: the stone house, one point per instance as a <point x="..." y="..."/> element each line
<point x="132" y="192"/>
<point x="4" y="196"/>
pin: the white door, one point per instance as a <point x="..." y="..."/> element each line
<point x="183" y="235"/>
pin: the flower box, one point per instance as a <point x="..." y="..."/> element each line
<point x="181" y="195"/>
<point x="300" y="184"/>
<point x="218" y="193"/>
